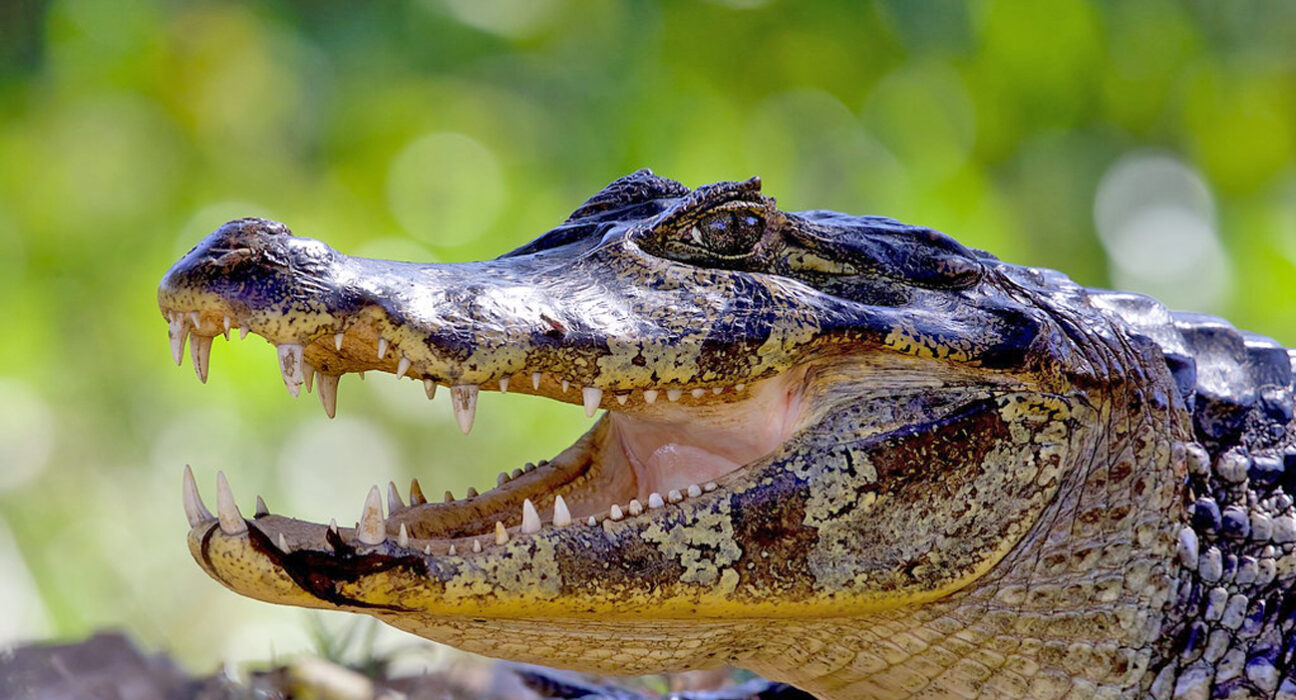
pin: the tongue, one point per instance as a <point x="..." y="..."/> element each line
<point x="675" y="466"/>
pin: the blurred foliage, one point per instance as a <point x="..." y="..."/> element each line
<point x="456" y="129"/>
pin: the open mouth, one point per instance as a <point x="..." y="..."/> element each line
<point x="655" y="447"/>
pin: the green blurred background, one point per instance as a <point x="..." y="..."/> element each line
<point x="1144" y="144"/>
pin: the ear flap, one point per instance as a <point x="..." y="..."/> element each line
<point x="880" y="247"/>
<point x="639" y="186"/>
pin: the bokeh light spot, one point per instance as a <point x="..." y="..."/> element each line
<point x="26" y="433"/>
<point x="445" y="188"/>
<point x="328" y="466"/>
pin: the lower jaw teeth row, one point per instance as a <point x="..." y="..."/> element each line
<point x="463" y="399"/>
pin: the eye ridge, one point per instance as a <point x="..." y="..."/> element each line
<point x="728" y="233"/>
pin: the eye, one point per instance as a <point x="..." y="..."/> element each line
<point x="728" y="234"/>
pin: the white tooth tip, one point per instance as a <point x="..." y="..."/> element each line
<point x="283" y="544"/>
<point x="261" y="508"/>
<point x="562" y="516"/>
<point x="231" y="520"/>
<point x="464" y="400"/>
<point x="716" y="390"/>
<point x="197" y="320"/>
<point x="333" y="525"/>
<point x="674" y="394"/>
<point x="337" y="341"/>
<point x="674" y="496"/>
<point x="372" y="528"/>
<point x="615" y="512"/>
<point x="635" y="507"/>
<point x="453" y="551"/>
<point x="394" y="502"/>
<point x="449" y="497"/>
<point x="710" y="486"/>
<point x="243" y="332"/>
<point x="694" y="491"/>
<point x="622" y="398"/>
<point x="565" y="385"/>
<point x="739" y="386"/>
<point x="429" y="388"/>
<point x="290" y="366"/>
<point x="530" y="518"/>
<point x="328" y="386"/>
<point x="402" y="367"/>
<point x="402" y="538"/>
<point x="227" y="323"/>
<point x="655" y="500"/>
<point x="593" y="397"/>
<point x="503" y="385"/>
<point x="476" y="545"/>
<point x="200" y="353"/>
<point x="535" y="380"/>
<point x="650" y="395"/>
<point x="592" y="521"/>
<point x="698" y="393"/>
<point x="308" y="373"/>
<point x="470" y="493"/>
<point x="382" y="347"/>
<point x="501" y="535"/>
<point x="177" y="331"/>
<point x="195" y="510"/>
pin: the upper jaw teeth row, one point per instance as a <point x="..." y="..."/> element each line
<point x="372" y="526"/>
<point x="297" y="372"/>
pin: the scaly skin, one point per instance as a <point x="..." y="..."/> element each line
<point x="936" y="474"/>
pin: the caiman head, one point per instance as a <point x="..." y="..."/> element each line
<point x="806" y="417"/>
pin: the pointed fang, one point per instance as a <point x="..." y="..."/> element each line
<point x="382" y="347"/>
<point x="503" y="385"/>
<point x="290" y="366"/>
<point x="372" y="530"/>
<point x="476" y="545"/>
<point x="195" y="510"/>
<point x="231" y="520"/>
<point x="283" y="544"/>
<point x="328" y="386"/>
<point x="177" y="330"/>
<point x="535" y="380"/>
<point x="464" y="400"/>
<point x="615" y="513"/>
<point x="200" y="353"/>
<point x="453" y="550"/>
<point x="429" y="388"/>
<point x="402" y="367"/>
<point x="402" y="539"/>
<point x="470" y="493"/>
<point x="530" y="518"/>
<point x="416" y="493"/>
<point x="562" y="516"/>
<point x="261" y="508"/>
<point x="501" y="535"/>
<point x="593" y="396"/>
<point x="337" y="341"/>
<point x="394" y="502"/>
<point x="650" y="395"/>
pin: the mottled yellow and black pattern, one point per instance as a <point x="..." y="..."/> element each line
<point x="992" y="483"/>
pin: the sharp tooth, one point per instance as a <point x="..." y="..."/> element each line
<point x="429" y="388"/>
<point x="565" y="385"/>
<point x="698" y="393"/>
<point x="503" y="384"/>
<point x="360" y="373"/>
<point x="394" y="502"/>
<point x="372" y="529"/>
<point x="615" y="512"/>
<point x="195" y="510"/>
<point x="231" y="520"/>
<point x="452" y="552"/>
<point x="635" y="507"/>
<point x="177" y="331"/>
<point x="593" y="396"/>
<point x="674" y="394"/>
<point x="227" y="323"/>
<point x="502" y="479"/>
<point x="694" y="491"/>
<point x="655" y="500"/>
<point x="382" y="347"/>
<point x="200" y="353"/>
<point x="530" y="518"/>
<point x="243" y="332"/>
<point x="308" y="376"/>
<point x="261" y="508"/>
<point x="529" y="466"/>
<point x="290" y="366"/>
<point x="449" y="497"/>
<point x="402" y="539"/>
<point x="516" y="473"/>
<point x="476" y="545"/>
<point x="333" y="528"/>
<point x="650" y="395"/>
<point x="709" y="486"/>
<point x="622" y="398"/>
<point x="501" y="535"/>
<point x="535" y="380"/>
<point x="592" y="521"/>
<point x="283" y="544"/>
<point x="328" y="386"/>
<point x="470" y="493"/>
<point x="464" y="400"/>
<point x="739" y="386"/>
<point x="197" y="321"/>
<point x="337" y="341"/>
<point x="717" y="389"/>
<point x="562" y="516"/>
<point x="416" y="493"/>
<point x="696" y="235"/>
<point x="674" y="496"/>
<point x="402" y="367"/>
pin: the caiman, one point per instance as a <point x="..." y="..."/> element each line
<point x="849" y="454"/>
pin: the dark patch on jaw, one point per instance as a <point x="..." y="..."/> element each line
<point x="731" y="347"/>
<point x="622" y="557"/>
<point x="318" y="573"/>
<point x="940" y="454"/>
<point x="768" y="526"/>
